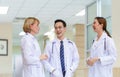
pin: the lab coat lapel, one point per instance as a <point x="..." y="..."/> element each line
<point x="56" y="47"/>
<point x="66" y="53"/>
<point x="102" y="38"/>
<point x="99" y="42"/>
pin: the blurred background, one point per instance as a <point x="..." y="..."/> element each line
<point x="78" y="14"/>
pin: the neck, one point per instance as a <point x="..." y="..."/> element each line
<point x="99" y="35"/>
<point x="61" y="38"/>
<point x="32" y="33"/>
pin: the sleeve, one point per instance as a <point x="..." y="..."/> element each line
<point x="27" y="52"/>
<point x="75" y="58"/>
<point x="46" y="63"/>
<point x="110" y="58"/>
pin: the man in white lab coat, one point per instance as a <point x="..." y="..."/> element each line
<point x="71" y="56"/>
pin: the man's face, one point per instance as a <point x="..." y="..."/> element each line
<point x="59" y="29"/>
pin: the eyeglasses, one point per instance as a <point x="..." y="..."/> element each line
<point x="60" y="27"/>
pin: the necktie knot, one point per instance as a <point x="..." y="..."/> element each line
<point x="61" y="42"/>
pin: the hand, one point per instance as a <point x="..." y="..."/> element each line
<point x="43" y="57"/>
<point x="91" y="61"/>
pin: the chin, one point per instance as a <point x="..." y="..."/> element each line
<point x="58" y="36"/>
<point x="37" y="32"/>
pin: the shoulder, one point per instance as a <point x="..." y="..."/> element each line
<point x="51" y="42"/>
<point x="70" y="42"/>
<point x="109" y="39"/>
<point x="25" y="37"/>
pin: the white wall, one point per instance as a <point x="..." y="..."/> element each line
<point x="116" y="27"/>
<point x="6" y="61"/>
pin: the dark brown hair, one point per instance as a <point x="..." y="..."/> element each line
<point x="102" y="20"/>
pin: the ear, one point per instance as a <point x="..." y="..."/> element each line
<point x="30" y="25"/>
<point x="102" y="25"/>
<point x="65" y="28"/>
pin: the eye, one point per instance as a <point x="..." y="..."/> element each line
<point x="32" y="24"/>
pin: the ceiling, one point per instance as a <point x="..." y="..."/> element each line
<point x="45" y="10"/>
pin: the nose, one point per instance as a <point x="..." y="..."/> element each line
<point x="57" y="29"/>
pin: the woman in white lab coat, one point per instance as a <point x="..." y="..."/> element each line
<point x="102" y="52"/>
<point x="71" y="56"/>
<point x="31" y="53"/>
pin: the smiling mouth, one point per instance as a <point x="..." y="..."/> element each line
<point x="58" y="33"/>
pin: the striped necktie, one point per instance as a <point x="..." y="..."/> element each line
<point x="62" y="57"/>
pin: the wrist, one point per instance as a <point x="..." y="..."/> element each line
<point x="53" y="70"/>
<point x="98" y="59"/>
<point x="40" y="58"/>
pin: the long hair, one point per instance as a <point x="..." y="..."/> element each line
<point x="102" y="20"/>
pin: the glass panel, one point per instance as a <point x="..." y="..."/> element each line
<point x="90" y="35"/>
<point x="106" y="8"/>
<point x="91" y="12"/>
<point x="109" y="24"/>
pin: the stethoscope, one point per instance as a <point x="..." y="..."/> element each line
<point x="104" y="43"/>
<point x="53" y="46"/>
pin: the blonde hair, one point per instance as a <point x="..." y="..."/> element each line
<point x="29" y="21"/>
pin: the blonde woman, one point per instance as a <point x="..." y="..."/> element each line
<point x="31" y="53"/>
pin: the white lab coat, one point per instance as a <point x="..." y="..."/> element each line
<point x="71" y="57"/>
<point x="105" y="49"/>
<point x="32" y="66"/>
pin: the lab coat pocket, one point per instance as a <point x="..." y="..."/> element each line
<point x="34" y="71"/>
<point x="56" y="73"/>
<point x="52" y="59"/>
<point x="69" y="73"/>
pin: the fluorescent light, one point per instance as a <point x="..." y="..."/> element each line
<point x="47" y="33"/>
<point x="22" y="33"/>
<point x="3" y="10"/>
<point x="81" y="13"/>
<point x="52" y="30"/>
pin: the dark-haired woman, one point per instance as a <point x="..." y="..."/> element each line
<point x="102" y="52"/>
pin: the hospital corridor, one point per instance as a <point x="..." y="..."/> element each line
<point x="80" y="31"/>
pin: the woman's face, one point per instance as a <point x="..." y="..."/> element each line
<point x="96" y="26"/>
<point x="34" y="28"/>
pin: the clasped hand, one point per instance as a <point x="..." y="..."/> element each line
<point x="43" y="57"/>
<point x="91" y="61"/>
